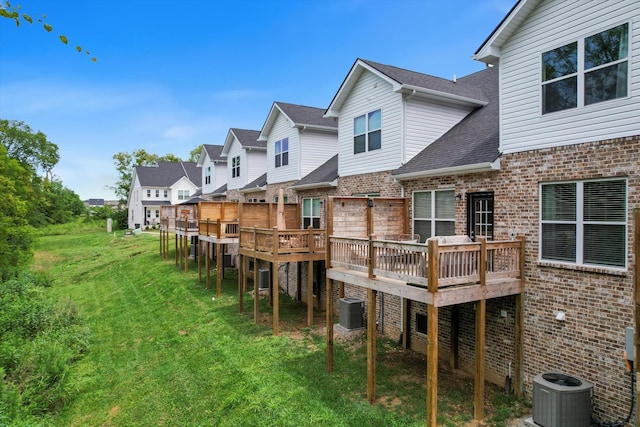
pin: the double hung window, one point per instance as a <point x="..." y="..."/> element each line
<point x="367" y="132"/>
<point x="207" y="175"/>
<point x="183" y="194"/>
<point x="235" y="167"/>
<point x="434" y="213"/>
<point x="311" y="212"/>
<point x="282" y="152"/>
<point x="584" y="222"/>
<point x="586" y="71"/>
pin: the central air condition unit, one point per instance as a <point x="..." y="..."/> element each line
<point x="263" y="278"/>
<point x="351" y="313"/>
<point x="561" y="400"/>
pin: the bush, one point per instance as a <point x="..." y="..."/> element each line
<point x="38" y="344"/>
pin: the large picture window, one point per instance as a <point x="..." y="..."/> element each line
<point x="586" y="71"/>
<point x="282" y="152"/>
<point x="367" y="132"/>
<point x="311" y="213"/>
<point x="434" y="213"/>
<point x="235" y="167"/>
<point x="584" y="222"/>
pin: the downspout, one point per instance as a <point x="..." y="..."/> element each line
<point x="404" y="128"/>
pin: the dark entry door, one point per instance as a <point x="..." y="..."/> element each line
<point x="480" y="215"/>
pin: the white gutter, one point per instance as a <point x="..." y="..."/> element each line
<point x="454" y="170"/>
<point x="441" y="95"/>
<point x="315" y="185"/>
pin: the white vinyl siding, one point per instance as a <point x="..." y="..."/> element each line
<point x="282" y="129"/>
<point x="316" y="148"/>
<point x="371" y="93"/>
<point x="426" y="121"/>
<point x="551" y="25"/>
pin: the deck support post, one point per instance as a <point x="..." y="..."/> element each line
<point x="371" y="345"/>
<point x="207" y="264"/>
<point x="242" y="282"/>
<point x="455" y="333"/>
<point x="310" y="293"/>
<point x="219" y="268"/>
<point x="432" y="365"/>
<point x="329" y="322"/>
<point x="186" y="253"/>
<point x="200" y="260"/>
<point x="276" y="303"/>
<point x="177" y="252"/>
<point x="478" y="388"/>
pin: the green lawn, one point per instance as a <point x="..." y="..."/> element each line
<point x="164" y="351"/>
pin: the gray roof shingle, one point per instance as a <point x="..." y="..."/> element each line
<point x="474" y="140"/>
<point x="259" y="182"/>
<point x="214" y="152"/>
<point x="304" y="115"/>
<point x="249" y="138"/>
<point x="165" y="174"/>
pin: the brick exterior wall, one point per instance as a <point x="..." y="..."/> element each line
<point x="598" y="302"/>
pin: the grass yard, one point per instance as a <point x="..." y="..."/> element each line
<point x="164" y="351"/>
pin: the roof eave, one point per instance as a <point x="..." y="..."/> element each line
<point x="453" y="170"/>
<point x="434" y="94"/>
<point x="331" y="184"/>
<point x="320" y="128"/>
<point x="253" y="189"/>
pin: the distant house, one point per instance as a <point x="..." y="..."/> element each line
<point x="246" y="160"/>
<point x="167" y="183"/>
<point x="94" y="203"/>
<point x="214" y="168"/>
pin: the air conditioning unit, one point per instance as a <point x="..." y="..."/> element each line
<point x="561" y="400"/>
<point x="351" y="313"/>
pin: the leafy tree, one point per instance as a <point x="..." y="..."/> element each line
<point x="125" y="163"/>
<point x="16" y="14"/>
<point x="28" y="147"/>
<point x="15" y="232"/>
<point x="194" y="154"/>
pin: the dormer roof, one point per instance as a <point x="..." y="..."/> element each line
<point x="248" y="140"/>
<point x="299" y="116"/>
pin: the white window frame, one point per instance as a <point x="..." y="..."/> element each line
<point x="580" y="223"/>
<point x="433" y="219"/>
<point x="235" y="167"/>
<point x="157" y="193"/>
<point x="166" y="193"/>
<point x="183" y="194"/>
<point x="367" y="131"/>
<point x="207" y="175"/>
<point x="148" y="193"/>
<point x="314" y="202"/>
<point x="581" y="72"/>
<point x="281" y="155"/>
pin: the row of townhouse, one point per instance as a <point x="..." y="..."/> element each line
<point x="544" y="143"/>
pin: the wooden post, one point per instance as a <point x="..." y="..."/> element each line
<point x="256" y="291"/>
<point x="483" y="260"/>
<point x="341" y="290"/>
<point x="371" y="261"/>
<point x="432" y="365"/>
<point x="207" y="264"/>
<point x="432" y="336"/>
<point x="310" y="293"/>
<point x="478" y="388"/>
<point x="199" y="261"/>
<point x="186" y="252"/>
<point x="276" y="303"/>
<point x="371" y="345"/>
<point x="329" y="322"/>
<point x="242" y="277"/>
<point x="219" y="267"/>
<point x="177" y="253"/>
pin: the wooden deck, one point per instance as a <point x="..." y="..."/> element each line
<point x="463" y="272"/>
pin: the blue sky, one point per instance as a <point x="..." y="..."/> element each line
<point x="172" y="75"/>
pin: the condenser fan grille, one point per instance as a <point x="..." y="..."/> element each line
<point x="562" y="379"/>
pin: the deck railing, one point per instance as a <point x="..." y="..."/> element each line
<point x="167" y="223"/>
<point x="455" y="263"/>
<point x="274" y="241"/>
<point x="219" y="228"/>
<point x="187" y="225"/>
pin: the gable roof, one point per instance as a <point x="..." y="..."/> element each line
<point x="258" y="184"/>
<point x="324" y="175"/>
<point x="409" y="82"/>
<point x="214" y="152"/>
<point x="165" y="174"/>
<point x="248" y="139"/>
<point x="301" y="116"/>
<point x="472" y="145"/>
<point x="219" y="192"/>
<point x="490" y="50"/>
